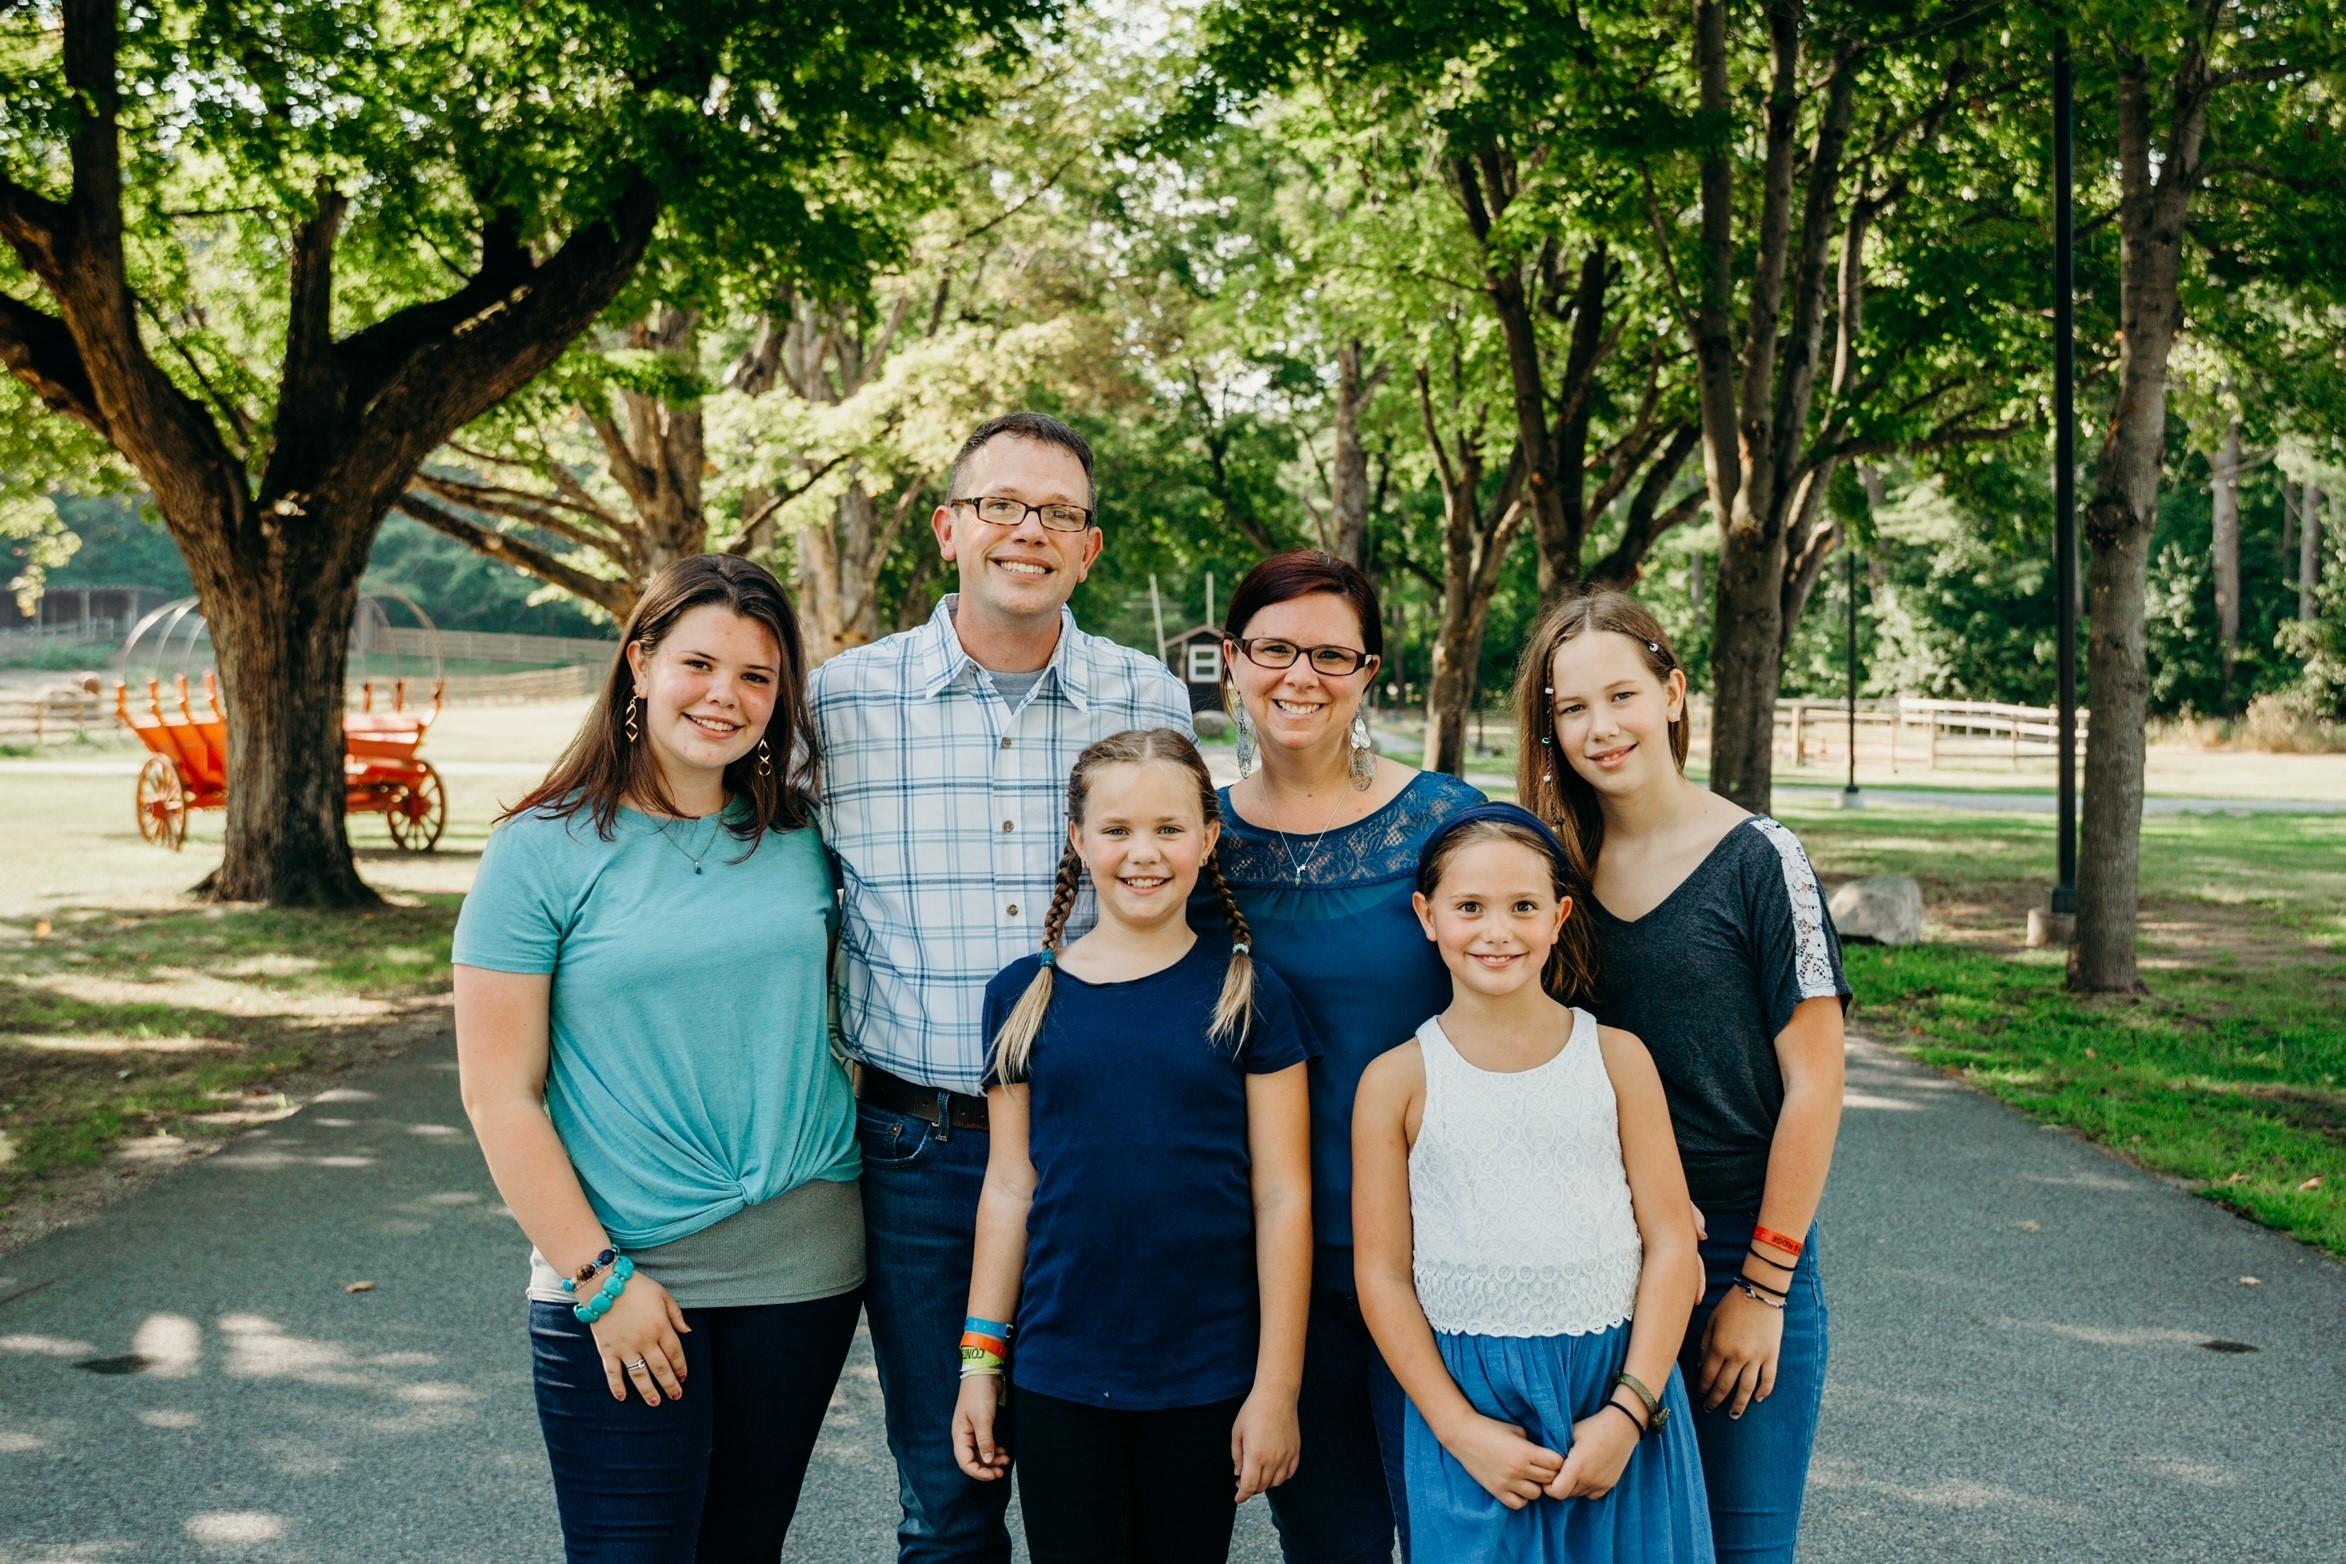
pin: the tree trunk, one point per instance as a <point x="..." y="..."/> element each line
<point x="281" y="635"/>
<point x="2309" y="556"/>
<point x="839" y="567"/>
<point x="1348" y="483"/>
<point x="1747" y="664"/>
<point x="2224" y="551"/>
<point x="1458" y="653"/>
<point x="2155" y="186"/>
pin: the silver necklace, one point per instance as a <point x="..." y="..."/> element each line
<point x="716" y="820"/>
<point x="1312" y="857"/>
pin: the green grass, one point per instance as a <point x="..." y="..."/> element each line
<point x="115" y="1024"/>
<point x="2229" y="1076"/>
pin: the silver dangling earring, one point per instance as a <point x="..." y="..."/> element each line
<point x="1364" y="755"/>
<point x="1245" y="741"/>
<point x="632" y="734"/>
<point x="765" y="759"/>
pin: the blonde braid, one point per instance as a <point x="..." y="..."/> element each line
<point x="1014" y="1045"/>
<point x="1234" y="1011"/>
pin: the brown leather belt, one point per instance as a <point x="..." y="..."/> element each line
<point x="928" y="1104"/>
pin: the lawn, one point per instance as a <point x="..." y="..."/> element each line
<point x="2230" y="1076"/>
<point x="136" y="1026"/>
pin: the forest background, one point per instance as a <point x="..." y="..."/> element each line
<point x="1490" y="298"/>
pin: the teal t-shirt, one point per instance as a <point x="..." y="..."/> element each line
<point x="691" y="1073"/>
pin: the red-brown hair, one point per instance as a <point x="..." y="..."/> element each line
<point x="602" y="765"/>
<point x="1300" y="573"/>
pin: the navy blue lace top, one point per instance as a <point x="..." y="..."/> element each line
<point x="1335" y="921"/>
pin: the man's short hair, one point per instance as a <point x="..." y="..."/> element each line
<point x="1029" y="426"/>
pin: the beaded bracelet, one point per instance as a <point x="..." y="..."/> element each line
<point x="600" y="1304"/>
<point x="586" y="1272"/>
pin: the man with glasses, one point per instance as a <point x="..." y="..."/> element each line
<point x="946" y="751"/>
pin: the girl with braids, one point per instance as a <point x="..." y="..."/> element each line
<point x="1144" y="1238"/>
<point x="1713" y="945"/>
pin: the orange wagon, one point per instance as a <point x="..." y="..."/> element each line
<point x="187" y="768"/>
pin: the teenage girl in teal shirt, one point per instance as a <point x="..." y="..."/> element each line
<point x="641" y="1029"/>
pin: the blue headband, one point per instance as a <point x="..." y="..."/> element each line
<point x="1509" y="814"/>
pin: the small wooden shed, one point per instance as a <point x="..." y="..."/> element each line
<point x="1195" y="656"/>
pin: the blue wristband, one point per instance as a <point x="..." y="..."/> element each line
<point x="600" y="1304"/>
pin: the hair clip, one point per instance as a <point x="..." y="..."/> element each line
<point x="1651" y="647"/>
<point x="1050" y="957"/>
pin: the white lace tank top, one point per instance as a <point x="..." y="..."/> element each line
<point x="1517" y="1198"/>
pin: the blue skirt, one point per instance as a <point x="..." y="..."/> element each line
<point x="1656" y="1514"/>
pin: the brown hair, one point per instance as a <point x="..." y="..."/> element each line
<point x="1300" y="573"/>
<point x="1040" y="427"/>
<point x="1545" y="780"/>
<point x="1234" y="1011"/>
<point x="1571" y="971"/>
<point x="602" y="765"/>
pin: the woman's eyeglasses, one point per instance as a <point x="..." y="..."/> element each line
<point x="1335" y="661"/>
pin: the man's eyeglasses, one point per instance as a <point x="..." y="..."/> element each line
<point x="1334" y="661"/>
<point x="1000" y="510"/>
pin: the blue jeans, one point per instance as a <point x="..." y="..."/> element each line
<point x="1344" y="1502"/>
<point x="920" y="1198"/>
<point x="1756" y="1466"/>
<point x="713" y="1476"/>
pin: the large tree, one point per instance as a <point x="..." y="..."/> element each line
<point x="2230" y="145"/>
<point x="275" y="255"/>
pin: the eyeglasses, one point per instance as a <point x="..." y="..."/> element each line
<point x="1335" y="661"/>
<point x="1000" y="510"/>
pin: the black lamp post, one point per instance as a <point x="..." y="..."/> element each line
<point x="1851" y="798"/>
<point x="2064" y="900"/>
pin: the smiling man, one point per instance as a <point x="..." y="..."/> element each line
<point x="946" y="751"/>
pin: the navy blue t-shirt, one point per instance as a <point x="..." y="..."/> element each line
<point x="1140" y="1289"/>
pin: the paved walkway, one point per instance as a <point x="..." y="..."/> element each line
<point x="2038" y="1353"/>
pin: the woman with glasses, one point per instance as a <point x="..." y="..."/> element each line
<point x="1320" y="844"/>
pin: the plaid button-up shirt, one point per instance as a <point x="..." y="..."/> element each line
<point x="948" y="811"/>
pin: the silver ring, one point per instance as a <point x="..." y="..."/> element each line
<point x="634" y="1365"/>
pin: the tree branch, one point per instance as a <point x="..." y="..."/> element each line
<point x="617" y="597"/>
<point x="39" y="351"/>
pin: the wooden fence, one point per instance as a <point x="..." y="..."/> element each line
<point x="63" y="714"/>
<point x="1910" y="732"/>
<point x="486" y="646"/>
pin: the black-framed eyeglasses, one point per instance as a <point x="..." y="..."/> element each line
<point x="1268" y="651"/>
<point x="1000" y="510"/>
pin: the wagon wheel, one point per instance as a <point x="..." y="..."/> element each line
<point x="162" y="804"/>
<point x="420" y="813"/>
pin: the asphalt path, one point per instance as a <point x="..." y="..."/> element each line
<point x="2037" y="1353"/>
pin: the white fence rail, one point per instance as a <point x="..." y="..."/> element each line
<point x="1911" y="732"/>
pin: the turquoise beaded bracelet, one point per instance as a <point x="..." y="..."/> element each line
<point x="600" y="1304"/>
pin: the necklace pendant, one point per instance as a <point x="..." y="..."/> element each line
<point x="696" y="868"/>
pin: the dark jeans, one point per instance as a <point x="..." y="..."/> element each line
<point x="713" y="1476"/>
<point x="1101" y="1487"/>
<point x="1756" y="1466"/>
<point x="1344" y="1503"/>
<point x="920" y="1199"/>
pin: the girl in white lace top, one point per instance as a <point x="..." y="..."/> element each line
<point x="1524" y="1247"/>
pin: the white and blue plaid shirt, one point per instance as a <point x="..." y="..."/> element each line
<point x="948" y="812"/>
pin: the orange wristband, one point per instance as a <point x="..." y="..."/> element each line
<point x="1776" y="1240"/>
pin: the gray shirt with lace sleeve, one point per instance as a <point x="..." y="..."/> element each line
<point x="1707" y="980"/>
